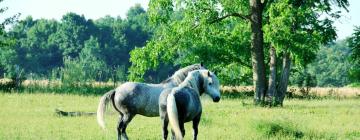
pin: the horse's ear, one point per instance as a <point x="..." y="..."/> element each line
<point x="209" y="74"/>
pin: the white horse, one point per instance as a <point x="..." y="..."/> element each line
<point x="182" y="104"/>
<point x="133" y="98"/>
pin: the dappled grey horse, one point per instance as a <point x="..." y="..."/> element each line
<point x="182" y="104"/>
<point x="133" y="98"/>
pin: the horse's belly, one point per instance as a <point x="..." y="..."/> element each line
<point x="150" y="114"/>
<point x="150" y="110"/>
<point x="139" y="99"/>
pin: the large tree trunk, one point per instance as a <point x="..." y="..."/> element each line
<point x="272" y="78"/>
<point x="284" y="80"/>
<point x="257" y="51"/>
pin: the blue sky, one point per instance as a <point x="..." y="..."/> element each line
<point x="94" y="9"/>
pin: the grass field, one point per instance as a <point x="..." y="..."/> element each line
<point x="32" y="116"/>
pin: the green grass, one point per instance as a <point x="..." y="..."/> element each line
<point x="32" y="116"/>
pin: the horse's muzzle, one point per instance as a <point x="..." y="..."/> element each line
<point x="216" y="99"/>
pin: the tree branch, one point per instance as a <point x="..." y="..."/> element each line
<point x="245" y="17"/>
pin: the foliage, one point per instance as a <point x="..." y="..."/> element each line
<point x="93" y="49"/>
<point x="7" y="55"/>
<point x="89" y="67"/>
<point x="185" y="35"/>
<point x="228" y="72"/>
<point x="329" y="69"/>
<point x="331" y="66"/>
<point x="4" y="39"/>
<point x="296" y="26"/>
<point x="357" y="85"/>
<point x="192" y="31"/>
<point x="7" y="84"/>
<point x="354" y="44"/>
<point x="178" y="33"/>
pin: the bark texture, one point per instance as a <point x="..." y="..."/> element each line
<point x="284" y="80"/>
<point x="257" y="51"/>
<point x="272" y="78"/>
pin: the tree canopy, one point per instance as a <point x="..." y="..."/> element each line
<point x="224" y="34"/>
<point x="100" y="47"/>
<point x="354" y="44"/>
<point x="227" y="36"/>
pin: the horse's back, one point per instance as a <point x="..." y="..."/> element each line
<point x="138" y="98"/>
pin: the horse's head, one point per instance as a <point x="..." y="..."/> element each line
<point x="211" y="85"/>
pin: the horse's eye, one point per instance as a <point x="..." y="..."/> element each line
<point x="210" y="83"/>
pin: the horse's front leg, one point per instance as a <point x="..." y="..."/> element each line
<point x="196" y="121"/>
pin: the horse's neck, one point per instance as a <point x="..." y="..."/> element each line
<point x="191" y="81"/>
<point x="174" y="81"/>
<point x="180" y="75"/>
<point x="178" y="78"/>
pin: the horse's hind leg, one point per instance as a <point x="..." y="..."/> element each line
<point x="120" y="125"/>
<point x="126" y="120"/>
<point x="173" y="135"/>
<point x="182" y="128"/>
<point x="196" y="121"/>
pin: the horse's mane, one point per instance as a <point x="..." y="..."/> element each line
<point x="195" y="79"/>
<point x="180" y="75"/>
<point x="192" y="80"/>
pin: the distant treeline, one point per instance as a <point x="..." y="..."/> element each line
<point x="80" y="50"/>
<point x="75" y="48"/>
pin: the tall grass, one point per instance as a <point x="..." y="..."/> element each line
<point x="296" y="92"/>
<point x="98" y="88"/>
<point x="56" y="86"/>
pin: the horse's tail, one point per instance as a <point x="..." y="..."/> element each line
<point x="102" y="107"/>
<point x="173" y="116"/>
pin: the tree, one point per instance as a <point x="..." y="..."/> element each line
<point x="74" y="30"/>
<point x="4" y="39"/>
<point x="42" y="45"/>
<point x="137" y="29"/>
<point x="296" y="31"/>
<point x="92" y="61"/>
<point x="181" y="40"/>
<point x="331" y="66"/>
<point x="87" y="68"/>
<point x="185" y="26"/>
<point x="7" y="55"/>
<point x="354" y="45"/>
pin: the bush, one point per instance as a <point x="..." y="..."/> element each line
<point x="273" y="129"/>
<point x="7" y="84"/>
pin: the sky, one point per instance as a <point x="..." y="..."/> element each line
<point x="94" y="9"/>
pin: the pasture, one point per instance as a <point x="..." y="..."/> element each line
<point x="32" y="116"/>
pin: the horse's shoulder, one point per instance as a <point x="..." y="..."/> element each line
<point x="181" y="93"/>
